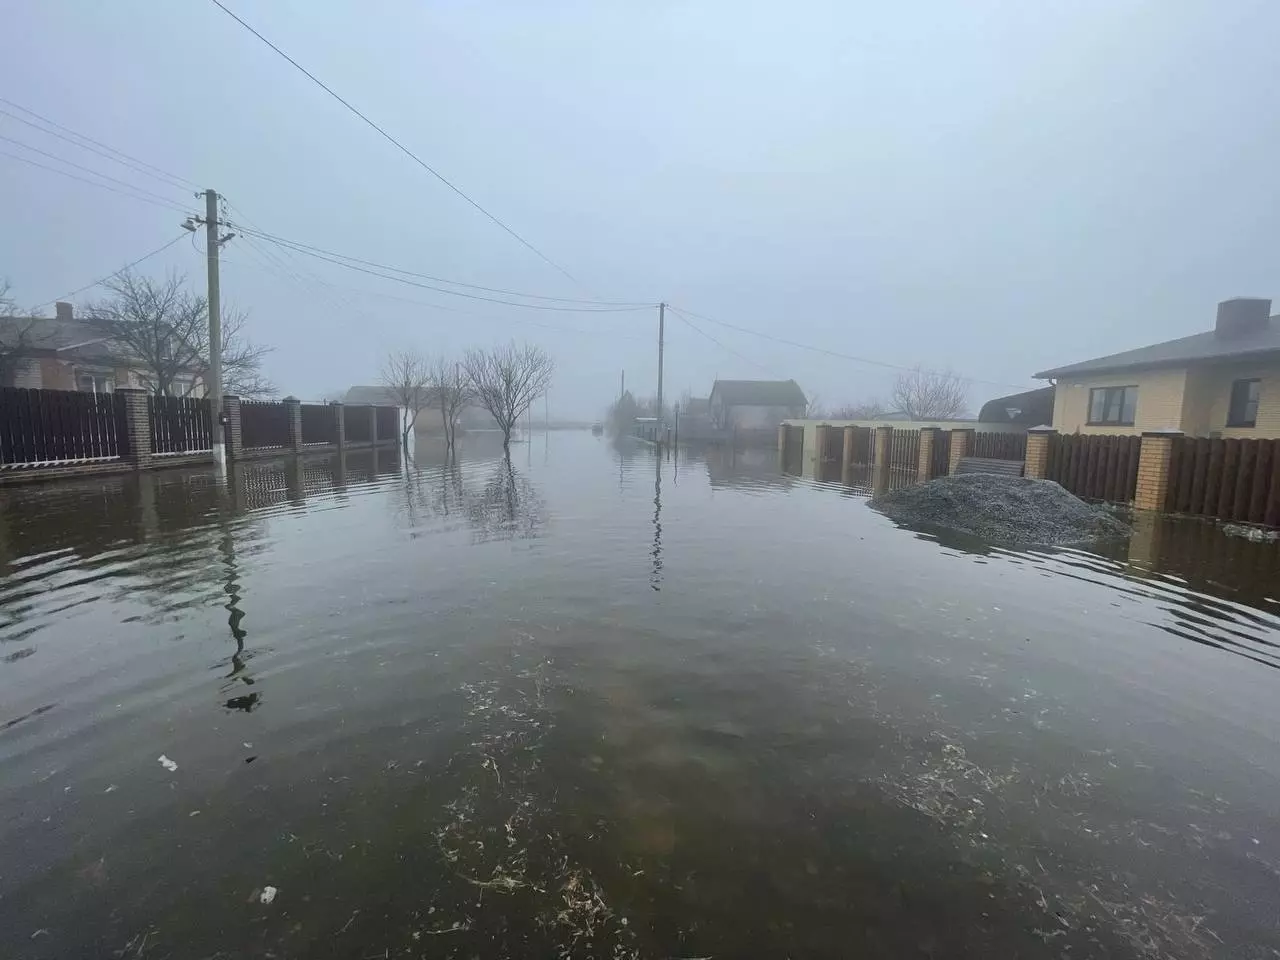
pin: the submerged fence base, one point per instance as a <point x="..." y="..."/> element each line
<point x="152" y="433"/>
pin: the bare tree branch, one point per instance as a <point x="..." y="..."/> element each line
<point x="406" y="375"/>
<point x="164" y="330"/>
<point x="19" y="336"/>
<point x="451" y="391"/>
<point x="507" y="380"/>
<point x="870" y="409"/>
<point x="931" y="394"/>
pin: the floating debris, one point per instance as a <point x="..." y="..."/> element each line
<point x="167" y="763"/>
<point x="1256" y="534"/>
<point x="267" y="895"/>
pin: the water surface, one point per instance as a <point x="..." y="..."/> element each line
<point x="589" y="703"/>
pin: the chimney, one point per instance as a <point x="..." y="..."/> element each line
<point x="65" y="311"/>
<point x="1241" y="316"/>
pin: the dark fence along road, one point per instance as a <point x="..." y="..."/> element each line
<point x="318" y="424"/>
<point x="180" y="424"/>
<point x="263" y="425"/>
<point x="999" y="446"/>
<point x="1096" y="467"/>
<point x="1231" y="479"/>
<point x="46" y="426"/>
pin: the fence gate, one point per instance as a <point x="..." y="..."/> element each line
<point x="941" y="462"/>
<point x="999" y="446"/>
<point x="180" y="424"/>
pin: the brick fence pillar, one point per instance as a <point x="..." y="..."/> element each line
<point x="846" y="454"/>
<point x="924" y="469"/>
<point x="1035" y="462"/>
<point x="373" y="424"/>
<point x="339" y="424"/>
<point x="137" y="426"/>
<point x="1153" y="469"/>
<point x="232" y="432"/>
<point x="961" y="444"/>
<point x="782" y="440"/>
<point x="884" y="444"/>
<point x="294" y="408"/>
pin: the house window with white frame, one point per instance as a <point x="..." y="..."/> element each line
<point x="89" y="382"/>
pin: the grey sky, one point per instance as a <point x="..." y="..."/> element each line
<point x="996" y="186"/>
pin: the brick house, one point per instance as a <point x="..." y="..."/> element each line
<point x="1223" y="382"/>
<point x="64" y="352"/>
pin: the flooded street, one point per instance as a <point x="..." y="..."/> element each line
<point x="594" y="704"/>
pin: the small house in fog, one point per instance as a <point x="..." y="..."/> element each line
<point x="755" y="405"/>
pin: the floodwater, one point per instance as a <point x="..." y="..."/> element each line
<point x="594" y="704"/>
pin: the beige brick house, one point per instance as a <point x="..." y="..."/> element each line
<point x="1224" y="382"/>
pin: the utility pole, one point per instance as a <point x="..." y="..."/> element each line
<point x="215" y="325"/>
<point x="662" y="326"/>
<point x="623" y="386"/>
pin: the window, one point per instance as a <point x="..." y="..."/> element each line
<point x="95" y="383"/>
<point x="1244" y="403"/>
<point x="1113" y="405"/>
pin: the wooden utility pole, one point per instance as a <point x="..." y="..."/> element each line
<point x="215" y="325"/>
<point x="662" y="324"/>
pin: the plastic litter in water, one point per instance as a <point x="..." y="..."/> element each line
<point x="167" y="763"/>
<point x="267" y="895"/>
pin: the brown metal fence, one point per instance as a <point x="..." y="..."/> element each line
<point x="999" y="446"/>
<point x="864" y="446"/>
<point x="44" y="426"/>
<point x="263" y="425"/>
<point x="941" y="463"/>
<point x="356" y="424"/>
<point x="318" y="424"/>
<point x="388" y="423"/>
<point x="1230" y="479"/>
<point x="180" y="424"/>
<point x="1096" y="467"/>
<point x="904" y="449"/>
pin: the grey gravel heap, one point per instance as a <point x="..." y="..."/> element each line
<point x="1001" y="509"/>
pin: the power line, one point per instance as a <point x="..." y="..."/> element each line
<point x="78" y="166"/>
<point x="127" y="266"/>
<point x="141" y="166"/>
<point x="730" y="350"/>
<point x="94" y="183"/>
<point x="456" y="293"/>
<point x="392" y="140"/>
<point x="303" y="247"/>
<point x="835" y="353"/>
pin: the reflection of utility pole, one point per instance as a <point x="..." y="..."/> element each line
<point x="655" y="578"/>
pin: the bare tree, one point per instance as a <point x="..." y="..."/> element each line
<point x="931" y="394"/>
<point x="507" y="380"/>
<point x="870" y="409"/>
<point x="406" y="375"/>
<point x="20" y="337"/>
<point x="815" y="409"/>
<point x="451" y="390"/>
<point x="164" y="329"/>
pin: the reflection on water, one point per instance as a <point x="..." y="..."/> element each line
<point x="588" y="702"/>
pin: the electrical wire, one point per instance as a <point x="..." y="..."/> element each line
<point x="726" y="349"/>
<point x="140" y="166"/>
<point x="127" y="266"/>
<point x="833" y="353"/>
<point x="456" y="293"/>
<point x="78" y="166"/>
<point x="396" y="143"/>
<point x="303" y="247"/>
<point x="94" y="183"/>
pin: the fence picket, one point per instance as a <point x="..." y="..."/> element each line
<point x="1262" y="469"/>
<point x="1271" y="516"/>
<point x="1244" y="480"/>
<point x="1226" y="488"/>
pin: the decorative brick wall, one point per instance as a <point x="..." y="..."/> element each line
<point x="1153" y="469"/>
<point x="339" y="424"/>
<point x="1036" y="460"/>
<point x="232" y="429"/>
<point x="137" y="426"/>
<point x="884" y="437"/>
<point x="961" y="444"/>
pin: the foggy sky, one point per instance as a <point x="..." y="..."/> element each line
<point x="998" y="187"/>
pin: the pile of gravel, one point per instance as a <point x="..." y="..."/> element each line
<point x="1001" y="509"/>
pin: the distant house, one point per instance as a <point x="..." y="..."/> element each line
<point x="1223" y="382"/>
<point x="1032" y="408"/>
<point x="755" y="405"/>
<point x="64" y="352"/>
<point x="376" y="396"/>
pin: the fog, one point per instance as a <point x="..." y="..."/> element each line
<point x="994" y="187"/>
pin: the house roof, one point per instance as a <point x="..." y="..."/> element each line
<point x="759" y="393"/>
<point x="378" y="396"/>
<point x="1197" y="347"/>
<point x="697" y="407"/>
<point x="1033" y="407"/>
<point x="72" y="339"/>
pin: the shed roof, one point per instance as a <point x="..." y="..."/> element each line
<point x="1197" y="347"/>
<point x="758" y="393"/>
